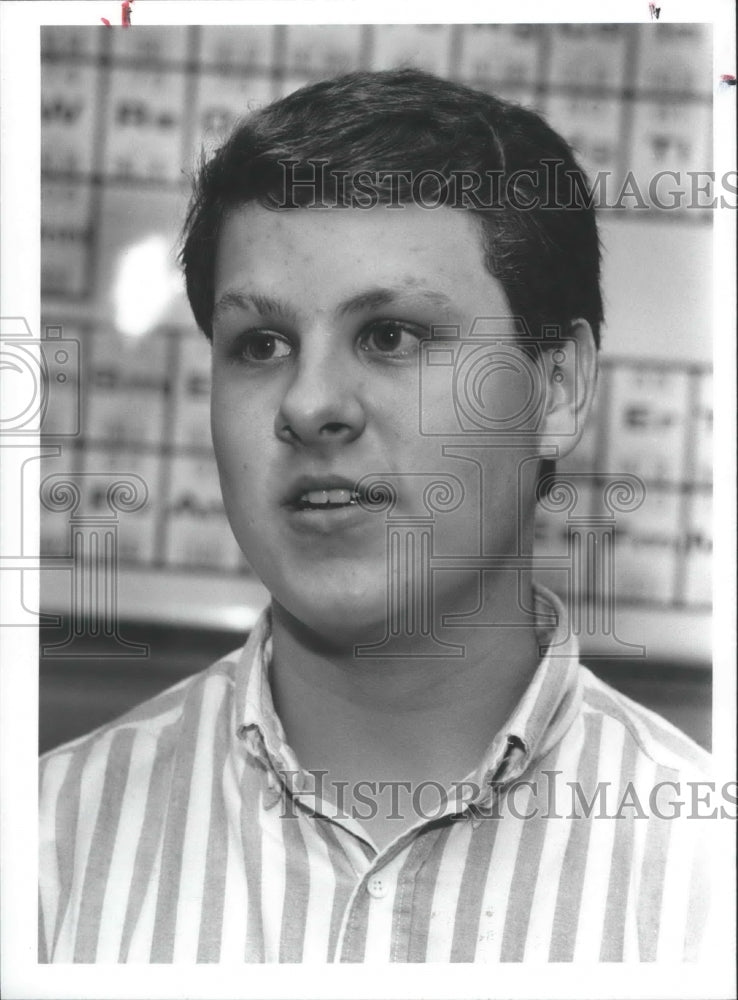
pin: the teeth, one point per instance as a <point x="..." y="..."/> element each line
<point x="321" y="498"/>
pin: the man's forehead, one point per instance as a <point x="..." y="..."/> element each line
<point x="377" y="251"/>
<point x="392" y="220"/>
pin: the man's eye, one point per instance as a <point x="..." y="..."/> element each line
<point x="391" y="338"/>
<point x="261" y="345"/>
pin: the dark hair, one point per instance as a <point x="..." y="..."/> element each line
<point x="547" y="257"/>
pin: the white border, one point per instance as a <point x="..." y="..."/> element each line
<point x="21" y="977"/>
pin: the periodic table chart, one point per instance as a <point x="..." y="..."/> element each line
<point x="125" y="115"/>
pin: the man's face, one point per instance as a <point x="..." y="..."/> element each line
<point x="319" y="316"/>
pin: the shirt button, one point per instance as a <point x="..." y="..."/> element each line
<point x="377" y="888"/>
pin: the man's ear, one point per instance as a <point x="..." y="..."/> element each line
<point x="571" y="378"/>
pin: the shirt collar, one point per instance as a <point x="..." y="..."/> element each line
<point x="258" y="724"/>
<point x="549" y="704"/>
<point x="542" y="716"/>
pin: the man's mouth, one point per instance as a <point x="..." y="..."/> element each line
<point x="326" y="492"/>
<point x="326" y="499"/>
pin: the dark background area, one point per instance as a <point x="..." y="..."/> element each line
<point x="78" y="694"/>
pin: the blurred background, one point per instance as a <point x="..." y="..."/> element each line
<point x="125" y="114"/>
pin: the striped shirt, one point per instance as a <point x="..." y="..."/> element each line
<point x="186" y="832"/>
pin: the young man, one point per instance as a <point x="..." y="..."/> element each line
<point x="400" y="280"/>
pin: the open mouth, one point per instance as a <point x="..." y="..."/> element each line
<point x="331" y="499"/>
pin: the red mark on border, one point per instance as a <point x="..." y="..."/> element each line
<point x="125" y="15"/>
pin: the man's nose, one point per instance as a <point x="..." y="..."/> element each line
<point x="321" y="405"/>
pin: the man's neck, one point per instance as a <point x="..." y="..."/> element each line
<point x="401" y="718"/>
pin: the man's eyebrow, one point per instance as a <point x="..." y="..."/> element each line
<point x="264" y="304"/>
<point x="373" y="298"/>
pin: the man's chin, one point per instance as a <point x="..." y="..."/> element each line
<point x="334" y="621"/>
